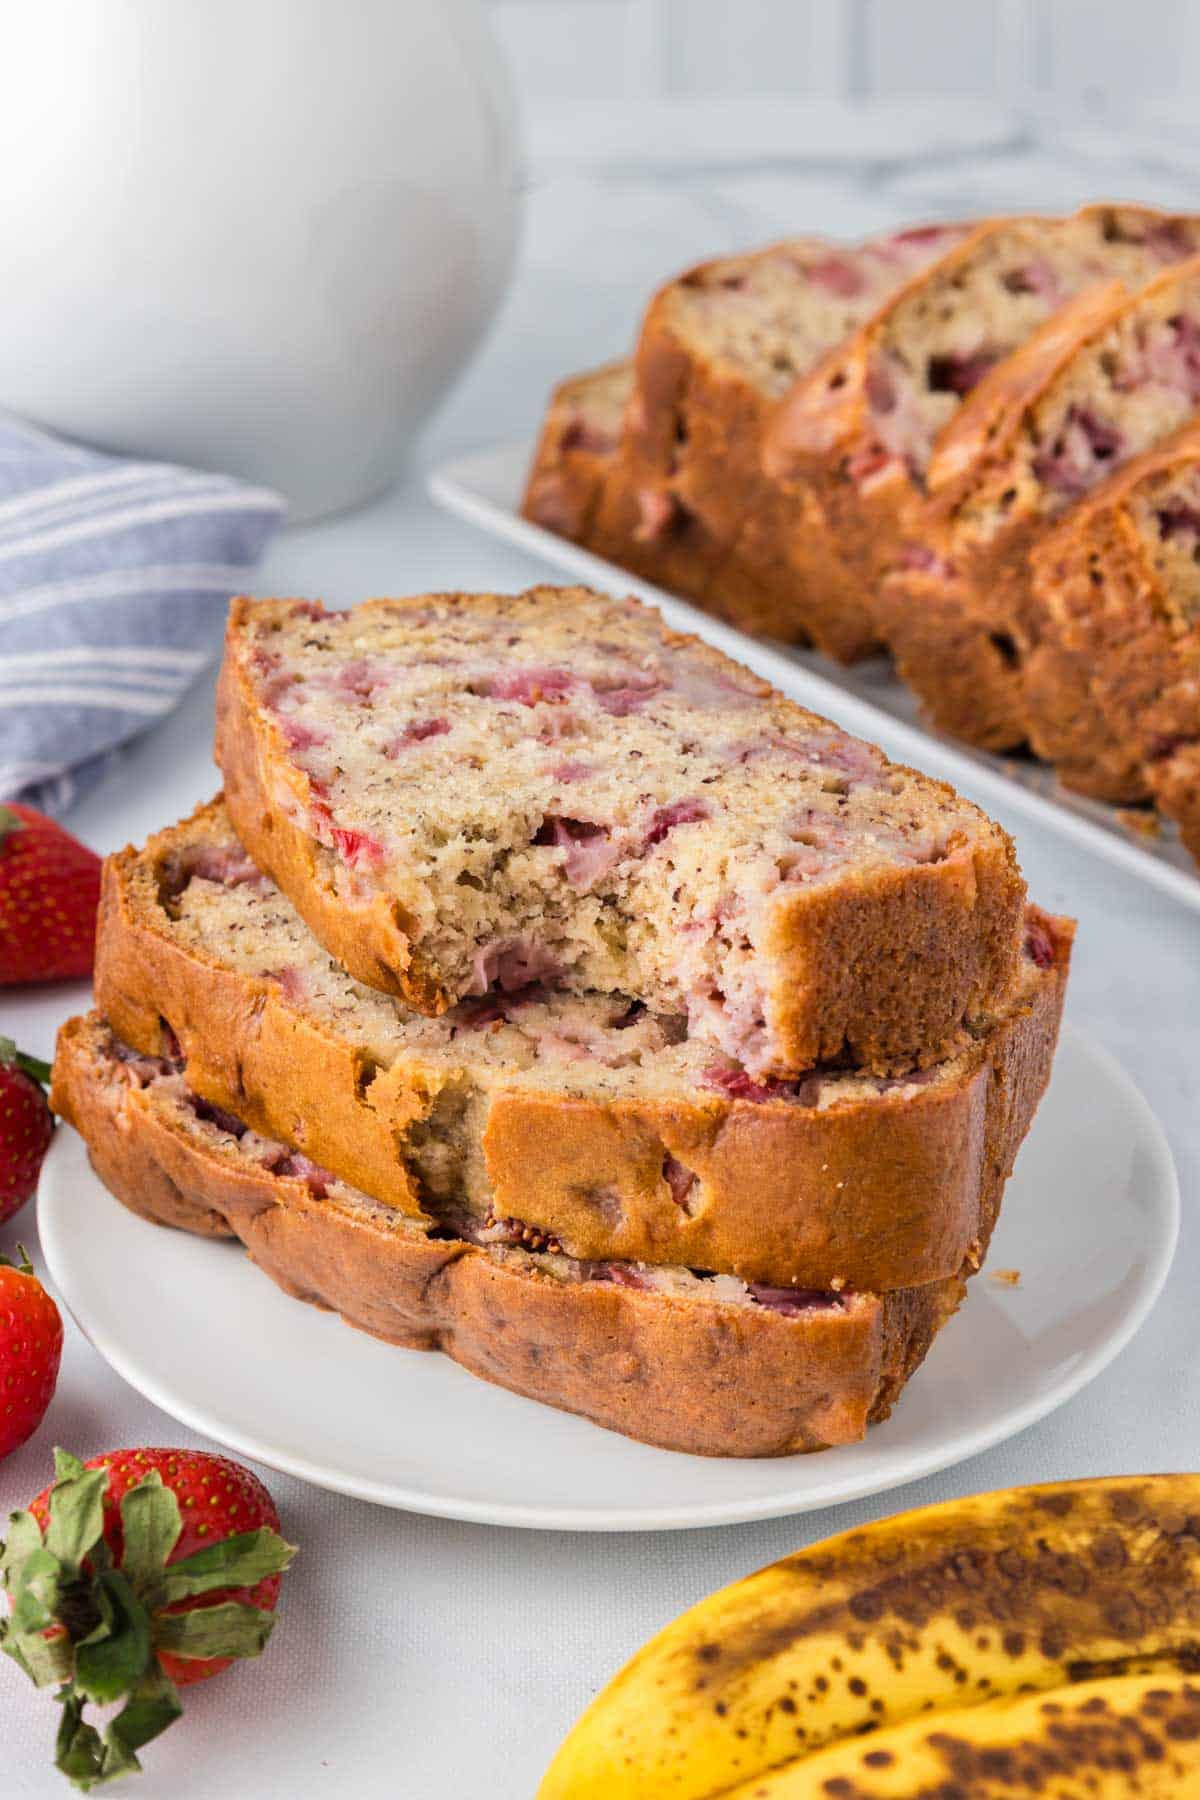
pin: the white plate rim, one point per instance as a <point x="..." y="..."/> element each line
<point x="456" y="486"/>
<point x="1161" y="1242"/>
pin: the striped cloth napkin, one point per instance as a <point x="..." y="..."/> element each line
<point x="113" y="579"/>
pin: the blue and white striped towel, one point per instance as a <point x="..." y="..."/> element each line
<point x="113" y="579"/>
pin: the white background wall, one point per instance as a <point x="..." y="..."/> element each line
<point x="1077" y="58"/>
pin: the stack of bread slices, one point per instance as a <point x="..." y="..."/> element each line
<point x="546" y="989"/>
<point x="976" y="446"/>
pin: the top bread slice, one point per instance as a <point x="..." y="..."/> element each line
<point x="461" y="792"/>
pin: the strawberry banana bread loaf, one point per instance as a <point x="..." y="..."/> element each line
<point x="1112" y="675"/>
<point x="860" y="429"/>
<point x="683" y="501"/>
<point x="463" y="793"/>
<point x="586" y="1123"/>
<point x="687" y="1362"/>
<point x="1108" y="378"/>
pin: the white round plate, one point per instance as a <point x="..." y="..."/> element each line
<point x="1090" y="1220"/>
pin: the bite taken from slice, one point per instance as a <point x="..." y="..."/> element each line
<point x="674" y="1357"/>
<point x="583" y="1121"/>
<point x="467" y="793"/>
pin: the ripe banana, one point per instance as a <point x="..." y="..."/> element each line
<point x="939" y="1610"/>
<point x="1135" y="1735"/>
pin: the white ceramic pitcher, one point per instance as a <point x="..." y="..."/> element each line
<point x="255" y="235"/>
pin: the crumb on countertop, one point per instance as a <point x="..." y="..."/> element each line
<point x="1006" y="1277"/>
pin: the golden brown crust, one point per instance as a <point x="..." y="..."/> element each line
<point x="889" y="969"/>
<point x="880" y="969"/>
<point x="885" y="1193"/>
<point x="708" y="1378"/>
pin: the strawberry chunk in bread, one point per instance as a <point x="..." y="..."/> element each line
<point x="669" y="1356"/>
<point x="583" y="1120"/>
<point x="613" y="808"/>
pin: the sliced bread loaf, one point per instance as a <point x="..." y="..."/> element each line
<point x="706" y="1365"/>
<point x="582" y="1121"/>
<point x="461" y="793"/>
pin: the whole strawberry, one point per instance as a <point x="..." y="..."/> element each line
<point x="25" y="1125"/>
<point x="49" y="891"/>
<point x="31" y="1341"/>
<point x="136" y="1573"/>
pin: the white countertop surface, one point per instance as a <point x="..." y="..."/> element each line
<point x="422" y="1658"/>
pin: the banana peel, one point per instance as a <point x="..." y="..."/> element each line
<point x="946" y="1611"/>
<point x="1133" y="1735"/>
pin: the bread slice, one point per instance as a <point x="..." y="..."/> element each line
<point x="1111" y="376"/>
<point x="581" y="1121"/>
<point x="861" y="428"/>
<point x="689" y="1363"/>
<point x="467" y="792"/>
<point x="683" y="501"/>
<point x="1112" y="674"/>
